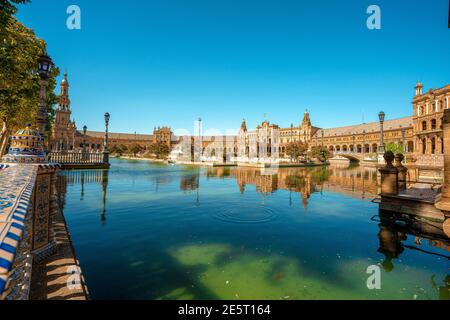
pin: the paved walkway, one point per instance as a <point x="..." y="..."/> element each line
<point x="421" y="191"/>
<point x="51" y="277"/>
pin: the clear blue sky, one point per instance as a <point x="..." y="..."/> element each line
<point x="167" y="62"/>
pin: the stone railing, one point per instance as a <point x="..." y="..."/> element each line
<point x="432" y="160"/>
<point x="27" y="202"/>
<point x="78" y="157"/>
<point x="16" y="193"/>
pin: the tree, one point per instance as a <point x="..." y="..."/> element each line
<point x="159" y="149"/>
<point x="320" y="153"/>
<point x="135" y="148"/>
<point x="296" y="149"/>
<point x="394" y="147"/>
<point x="7" y="9"/>
<point x="19" y="79"/>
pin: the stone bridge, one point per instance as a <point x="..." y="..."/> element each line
<point x="353" y="156"/>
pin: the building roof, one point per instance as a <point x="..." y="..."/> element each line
<point x="394" y="124"/>
<point x="119" y="136"/>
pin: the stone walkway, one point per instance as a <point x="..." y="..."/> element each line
<point x="421" y="191"/>
<point x="51" y="277"/>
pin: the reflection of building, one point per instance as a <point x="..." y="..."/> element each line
<point x="357" y="182"/>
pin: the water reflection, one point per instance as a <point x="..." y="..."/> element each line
<point x="355" y="181"/>
<point x="71" y="178"/>
<point x="428" y="238"/>
<point x="204" y="233"/>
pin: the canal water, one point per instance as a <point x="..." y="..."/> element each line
<point x="154" y="231"/>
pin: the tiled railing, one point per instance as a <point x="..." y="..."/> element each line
<point x="76" y="157"/>
<point x="16" y="189"/>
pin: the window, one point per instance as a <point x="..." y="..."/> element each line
<point x="433" y="124"/>
<point x="424" y="126"/>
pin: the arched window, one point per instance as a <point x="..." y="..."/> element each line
<point x="410" y="146"/>
<point x="433" y="145"/>
<point x="424" y="126"/>
<point x="433" y="124"/>
<point x="424" y="146"/>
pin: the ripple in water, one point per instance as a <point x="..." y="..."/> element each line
<point x="245" y="214"/>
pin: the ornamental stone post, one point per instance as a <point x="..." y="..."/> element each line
<point x="402" y="171"/>
<point x="389" y="176"/>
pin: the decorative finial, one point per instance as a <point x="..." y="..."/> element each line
<point x="389" y="157"/>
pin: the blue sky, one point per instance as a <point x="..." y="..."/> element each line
<point x="167" y="62"/>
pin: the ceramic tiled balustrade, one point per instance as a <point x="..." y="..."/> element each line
<point x="16" y="189"/>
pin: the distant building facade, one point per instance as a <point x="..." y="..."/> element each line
<point x="65" y="136"/>
<point x="163" y="135"/>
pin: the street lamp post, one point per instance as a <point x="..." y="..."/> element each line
<point x="106" y="142"/>
<point x="292" y="142"/>
<point x="200" y="139"/>
<point x="381" y="117"/>
<point x="364" y="142"/>
<point x="381" y="149"/>
<point x="84" y="139"/>
<point x="45" y="66"/>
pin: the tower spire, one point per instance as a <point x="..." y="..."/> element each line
<point x="64" y="101"/>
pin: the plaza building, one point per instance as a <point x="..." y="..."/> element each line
<point x="271" y="141"/>
<point x="428" y="113"/>
<point x="64" y="130"/>
<point x="420" y="135"/>
<point x="163" y="135"/>
<point x="65" y="137"/>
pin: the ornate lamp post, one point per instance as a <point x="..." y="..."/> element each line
<point x="381" y="117"/>
<point x="84" y="139"/>
<point x="364" y="142"/>
<point x="45" y="66"/>
<point x="200" y="139"/>
<point x="106" y="142"/>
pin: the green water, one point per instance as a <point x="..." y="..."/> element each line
<point x="151" y="231"/>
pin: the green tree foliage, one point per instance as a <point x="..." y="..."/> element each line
<point x="160" y="150"/>
<point x="118" y="149"/>
<point x="394" y="147"/>
<point x="320" y="153"/>
<point x="7" y="9"/>
<point x="19" y="79"/>
<point x="296" y="149"/>
<point x="135" y="149"/>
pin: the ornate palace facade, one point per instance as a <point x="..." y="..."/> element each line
<point x="65" y="136"/>
<point x="419" y="134"/>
